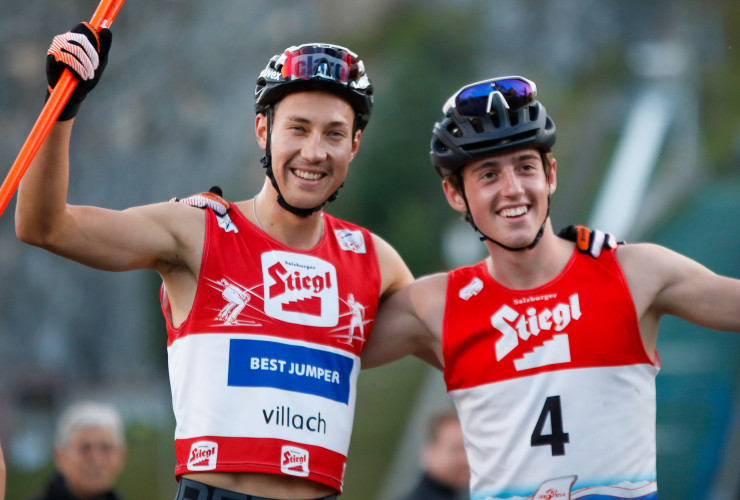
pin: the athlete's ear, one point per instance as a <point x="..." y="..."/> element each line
<point x="355" y="143"/>
<point x="553" y="175"/>
<point x="260" y="130"/>
<point x="454" y="197"/>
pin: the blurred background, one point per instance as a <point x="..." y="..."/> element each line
<point x="646" y="99"/>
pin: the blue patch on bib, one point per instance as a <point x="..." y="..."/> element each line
<point x="259" y="363"/>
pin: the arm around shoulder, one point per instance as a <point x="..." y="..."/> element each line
<point x="409" y="322"/>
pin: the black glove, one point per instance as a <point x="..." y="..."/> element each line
<point x="84" y="51"/>
<point x="590" y="241"/>
<point x="212" y="199"/>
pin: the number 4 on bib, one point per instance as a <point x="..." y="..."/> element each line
<point x="557" y="438"/>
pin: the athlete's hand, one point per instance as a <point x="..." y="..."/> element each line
<point x="84" y="51"/>
<point x="211" y="199"/>
<point x="590" y="241"/>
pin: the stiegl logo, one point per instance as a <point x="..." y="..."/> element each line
<point x="515" y="326"/>
<point x="551" y="495"/>
<point x="300" y="289"/>
<point x="558" y="488"/>
<point x="203" y="455"/>
<point x="294" y="461"/>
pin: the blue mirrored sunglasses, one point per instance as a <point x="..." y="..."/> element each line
<point x="475" y="100"/>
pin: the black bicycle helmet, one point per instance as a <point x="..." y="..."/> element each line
<point x="458" y="139"/>
<point x="486" y="124"/>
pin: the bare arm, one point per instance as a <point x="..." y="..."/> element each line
<point x="409" y="323"/>
<point x="395" y="275"/>
<point x="665" y="282"/>
<point x="152" y="237"/>
<point x="165" y="237"/>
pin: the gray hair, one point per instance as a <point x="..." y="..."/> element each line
<point x="89" y="414"/>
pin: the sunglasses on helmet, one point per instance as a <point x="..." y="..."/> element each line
<point x="320" y="61"/>
<point x="476" y="99"/>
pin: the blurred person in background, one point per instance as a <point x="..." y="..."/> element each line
<point x="89" y="453"/>
<point x="550" y="356"/>
<point x="444" y="467"/>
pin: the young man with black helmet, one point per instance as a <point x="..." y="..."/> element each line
<point x="262" y="297"/>
<point x="549" y="355"/>
<point x="256" y="294"/>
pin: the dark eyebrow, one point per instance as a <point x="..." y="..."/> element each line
<point x="334" y="124"/>
<point x="527" y="156"/>
<point x="493" y="162"/>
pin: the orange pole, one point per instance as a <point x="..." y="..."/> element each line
<point x="102" y="18"/>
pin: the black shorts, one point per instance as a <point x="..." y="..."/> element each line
<point x="193" y="490"/>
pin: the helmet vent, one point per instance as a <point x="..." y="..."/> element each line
<point x="477" y="125"/>
<point x="454" y="130"/>
<point x="533" y="113"/>
<point x="439" y="146"/>
<point x="498" y="143"/>
<point x="513" y="119"/>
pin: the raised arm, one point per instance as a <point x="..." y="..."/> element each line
<point x="142" y="237"/>
<point x="665" y="282"/>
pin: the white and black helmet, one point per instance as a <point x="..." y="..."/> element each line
<point x="316" y="66"/>
<point x="312" y="66"/>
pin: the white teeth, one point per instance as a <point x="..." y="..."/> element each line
<point x="513" y="212"/>
<point x="307" y="175"/>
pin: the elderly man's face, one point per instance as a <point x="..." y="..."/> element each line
<point x="90" y="461"/>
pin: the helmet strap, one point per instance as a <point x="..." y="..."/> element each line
<point x="266" y="161"/>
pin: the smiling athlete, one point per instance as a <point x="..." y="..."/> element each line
<point x="266" y="300"/>
<point x="549" y="355"/>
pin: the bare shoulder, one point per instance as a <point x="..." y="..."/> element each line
<point x="636" y="253"/>
<point x="429" y="288"/>
<point x="659" y="278"/>
<point x="177" y="217"/>
<point x="665" y="282"/>
<point x="174" y="234"/>
<point x="659" y="260"/>
<point x="174" y="218"/>
<point x="394" y="272"/>
<point x="427" y="297"/>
